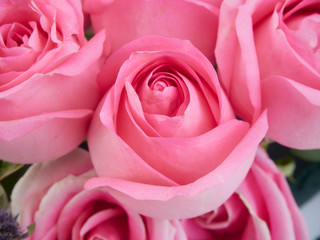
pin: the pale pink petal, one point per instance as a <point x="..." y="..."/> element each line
<point x="159" y="229"/>
<point x="185" y="160"/>
<point x="170" y="18"/>
<point x="33" y="185"/>
<point x="280" y="223"/>
<point x="236" y="58"/>
<point x="263" y="162"/>
<point x="104" y="142"/>
<point x="287" y="62"/>
<point x="50" y="206"/>
<point x="293" y="112"/>
<point x="45" y="93"/>
<point x="57" y="134"/>
<point x="209" y="192"/>
<point x="88" y="54"/>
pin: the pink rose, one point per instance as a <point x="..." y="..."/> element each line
<point x="262" y="208"/>
<point x="126" y="20"/>
<point x="268" y="57"/>
<point x="47" y="70"/>
<point x="164" y="138"/>
<point x="63" y="210"/>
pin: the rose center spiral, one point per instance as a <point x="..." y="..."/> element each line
<point x="14" y="35"/>
<point x="159" y="86"/>
<point x="159" y="94"/>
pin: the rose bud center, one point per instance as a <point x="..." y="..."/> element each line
<point x="161" y="96"/>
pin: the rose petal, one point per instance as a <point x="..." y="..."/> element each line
<point x="166" y="19"/>
<point x="39" y="178"/>
<point x="209" y="192"/>
<point x="275" y="62"/>
<point x="163" y="229"/>
<point x="56" y="133"/>
<point x="298" y="109"/>
<point x="87" y="55"/>
<point x="97" y="219"/>
<point x="236" y="58"/>
<point x="51" y="206"/>
<point x="44" y="93"/>
<point x="131" y="166"/>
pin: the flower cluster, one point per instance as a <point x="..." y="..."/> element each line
<point x="173" y="98"/>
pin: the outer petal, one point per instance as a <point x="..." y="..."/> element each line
<point x="280" y="222"/>
<point x="266" y="194"/>
<point x="281" y="59"/>
<point x="246" y="30"/>
<point x="44" y="93"/>
<point x="159" y="229"/>
<point x="262" y="208"/>
<point x="46" y="107"/>
<point x="256" y="229"/>
<point x="293" y="112"/>
<point x="63" y="210"/>
<point x="193" y="199"/>
<point x="175" y="157"/>
<point x="193" y="20"/>
<point x="56" y="133"/>
<point x="236" y="58"/>
<point x="298" y="221"/>
<point x="129" y="164"/>
<point x="39" y="178"/>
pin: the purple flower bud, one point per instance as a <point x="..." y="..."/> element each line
<point x="9" y="228"/>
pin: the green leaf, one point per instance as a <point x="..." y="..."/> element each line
<point x="31" y="228"/>
<point x="286" y="165"/>
<point x="265" y="143"/>
<point x="308" y="155"/>
<point x="7" y="168"/>
<point x="3" y="198"/>
<point x="89" y="35"/>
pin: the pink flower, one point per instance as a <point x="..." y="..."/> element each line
<point x="126" y="20"/>
<point x="47" y="70"/>
<point x="63" y="210"/>
<point x="262" y="208"/>
<point x="164" y="138"/>
<point x="268" y="57"/>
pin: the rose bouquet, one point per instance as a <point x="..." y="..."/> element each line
<point x="139" y="119"/>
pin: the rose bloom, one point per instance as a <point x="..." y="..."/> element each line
<point x="268" y="57"/>
<point x="126" y="20"/>
<point x="63" y="210"/>
<point x="262" y="208"/>
<point x="165" y="138"/>
<point x="47" y="70"/>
